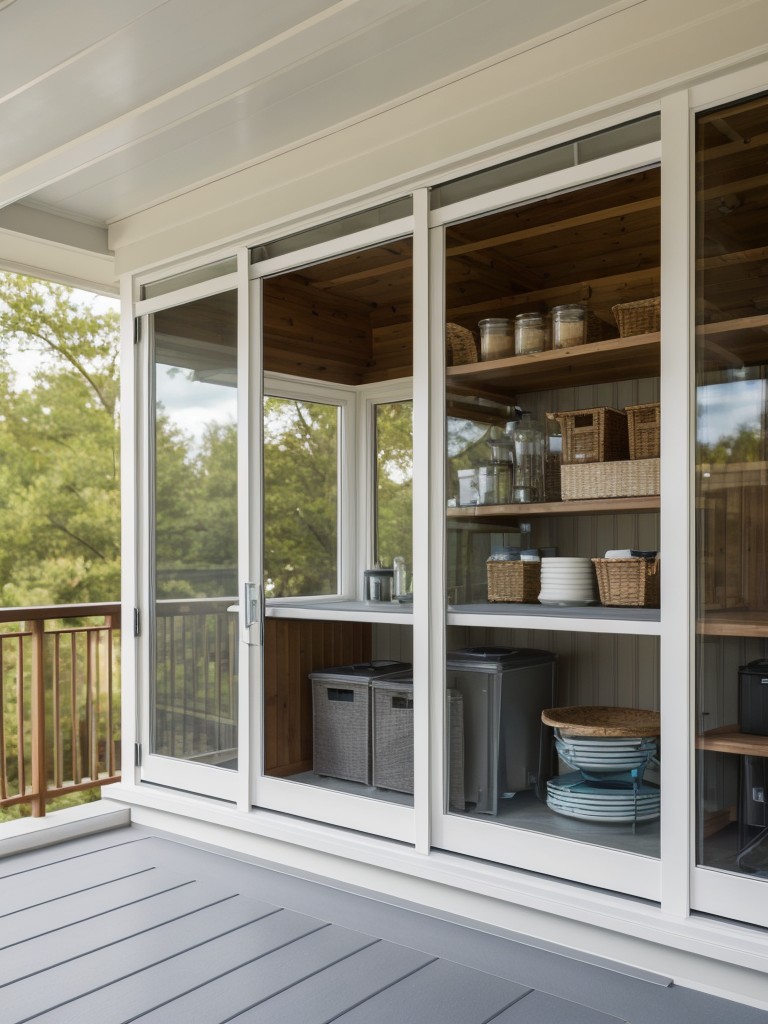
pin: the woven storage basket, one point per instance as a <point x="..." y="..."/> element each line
<point x="460" y="344"/>
<point x="597" y="329"/>
<point x="594" y="435"/>
<point x="628" y="582"/>
<point x="341" y="730"/>
<point x="393" y="734"/>
<point x="610" y="479"/>
<point x="644" y="428"/>
<point x="515" y="582"/>
<point x="603" y="721"/>
<point x="641" y="317"/>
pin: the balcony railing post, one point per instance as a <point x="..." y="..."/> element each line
<point x="39" y="774"/>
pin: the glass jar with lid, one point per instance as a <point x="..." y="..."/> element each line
<point x="497" y="339"/>
<point x="569" y="325"/>
<point x="530" y="333"/>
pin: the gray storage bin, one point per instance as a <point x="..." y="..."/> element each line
<point x="753" y="698"/>
<point x="506" y="749"/>
<point x="341" y="718"/>
<point x="393" y="738"/>
<point x="393" y="733"/>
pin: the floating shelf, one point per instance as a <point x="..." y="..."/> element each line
<point x="595" y="363"/>
<point x="735" y="623"/>
<point x="730" y="740"/>
<point x="588" y="506"/>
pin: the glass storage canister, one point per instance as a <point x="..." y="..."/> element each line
<point x="569" y="325"/>
<point x="529" y="460"/>
<point x="497" y="339"/>
<point x="530" y="333"/>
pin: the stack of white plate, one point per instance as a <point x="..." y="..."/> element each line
<point x="606" y="800"/>
<point x="567" y="581"/>
<point x="596" y="756"/>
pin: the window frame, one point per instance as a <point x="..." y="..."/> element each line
<point x="278" y="385"/>
<point x="369" y="396"/>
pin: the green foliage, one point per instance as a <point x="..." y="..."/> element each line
<point x="394" y="482"/>
<point x="59" y="441"/>
<point x="747" y="444"/>
<point x="300" y="497"/>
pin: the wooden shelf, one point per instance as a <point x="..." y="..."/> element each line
<point x="729" y="739"/>
<point x="734" y="623"/>
<point x="596" y="363"/>
<point x="590" y="506"/>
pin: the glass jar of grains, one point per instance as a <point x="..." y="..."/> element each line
<point x="496" y="338"/>
<point x="568" y="326"/>
<point x="530" y="333"/>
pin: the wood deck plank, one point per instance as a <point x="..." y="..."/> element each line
<point x="51" y="882"/>
<point x="252" y="984"/>
<point x="353" y="968"/>
<point x="327" y="995"/>
<point x="60" y="913"/>
<point x="32" y="997"/>
<point x="443" y="993"/>
<point x="100" y="842"/>
<point x="164" y="982"/>
<point x="83" y="937"/>
<point x="539" y="1008"/>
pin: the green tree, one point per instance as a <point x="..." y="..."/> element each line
<point x="59" y="443"/>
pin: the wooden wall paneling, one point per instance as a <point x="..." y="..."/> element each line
<point x="314" y="335"/>
<point x="294" y="648"/>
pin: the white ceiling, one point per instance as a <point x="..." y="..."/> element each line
<point x="108" y="107"/>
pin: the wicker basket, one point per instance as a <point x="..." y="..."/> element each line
<point x="594" y="435"/>
<point x="460" y="345"/>
<point x="628" y="582"/>
<point x="641" y="317"/>
<point x="610" y="479"/>
<point x="603" y="721"/>
<point x="644" y="426"/>
<point x="597" y="329"/>
<point x="517" y="582"/>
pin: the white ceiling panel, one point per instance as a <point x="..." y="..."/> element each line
<point x="107" y="107"/>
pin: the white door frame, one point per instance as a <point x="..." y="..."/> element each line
<point x="196" y="777"/>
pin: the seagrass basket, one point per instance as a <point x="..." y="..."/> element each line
<point x="594" y="435"/>
<point x="603" y="721"/>
<point x="625" y="479"/>
<point x="460" y="345"/>
<point x="640" y="317"/>
<point x="514" y="582"/>
<point x="628" y="582"/>
<point x="644" y="429"/>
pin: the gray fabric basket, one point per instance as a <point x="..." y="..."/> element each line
<point x="393" y="734"/>
<point x="341" y="718"/>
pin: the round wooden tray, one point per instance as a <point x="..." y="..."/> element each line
<point x="602" y="721"/>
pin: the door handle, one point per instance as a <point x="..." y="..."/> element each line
<point x="254" y="609"/>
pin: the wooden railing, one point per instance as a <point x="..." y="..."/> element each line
<point x="59" y="697"/>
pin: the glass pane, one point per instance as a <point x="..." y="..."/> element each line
<point x="519" y="498"/>
<point x="732" y="488"/>
<point x="533" y="165"/>
<point x="384" y="214"/>
<point x="301" y="500"/>
<point x="189" y="277"/>
<point x="394" y="490"/>
<point x="194" y="688"/>
<point x="330" y="719"/>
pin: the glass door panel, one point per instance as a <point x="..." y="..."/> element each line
<point x="731" y="469"/>
<point x="534" y="355"/>
<point x="336" y="499"/>
<point x="194" y="659"/>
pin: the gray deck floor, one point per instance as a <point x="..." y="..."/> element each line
<point x="131" y="925"/>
